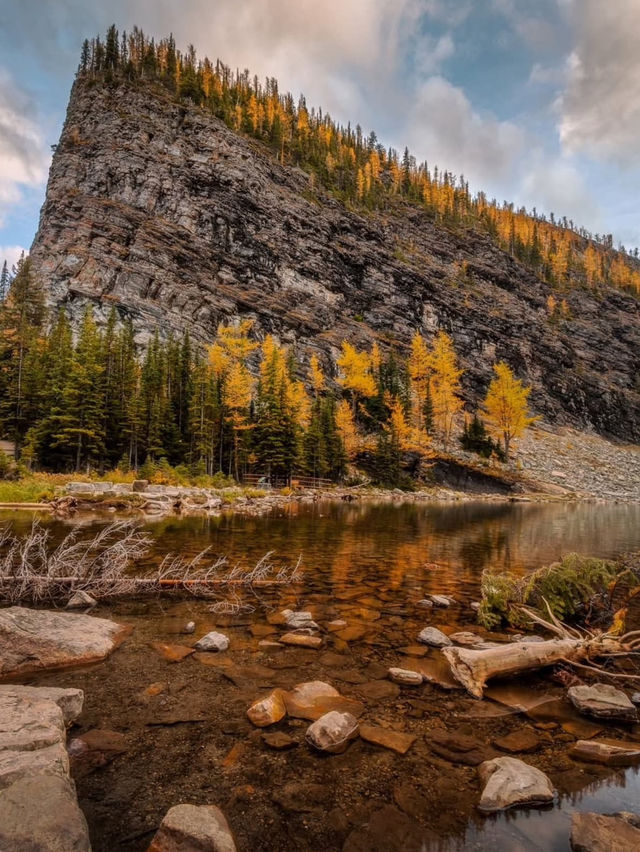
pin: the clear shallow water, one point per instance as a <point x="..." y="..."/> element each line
<point x="367" y="563"/>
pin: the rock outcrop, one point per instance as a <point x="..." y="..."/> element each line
<point x="38" y="807"/>
<point x="159" y="209"/>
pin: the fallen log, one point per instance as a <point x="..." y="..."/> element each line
<point x="473" y="669"/>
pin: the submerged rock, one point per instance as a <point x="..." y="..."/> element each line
<point x="433" y="637"/>
<point x="94" y="749"/>
<point x="213" y="642"/>
<point x="268" y="710"/>
<point x="279" y="741"/>
<point x="394" y="740"/>
<point x="441" y="600"/>
<point x="607" y="752"/>
<point x="603" y="701"/>
<point x="510" y="782"/>
<point x="301" y="640"/>
<point x="32" y="640"/>
<point x="601" y="833"/>
<point x="193" y="828"/>
<point x="172" y="653"/>
<point x="332" y="732"/>
<point x="523" y="741"/>
<point x="459" y="748"/>
<point x="81" y="600"/>
<point x="296" y="620"/>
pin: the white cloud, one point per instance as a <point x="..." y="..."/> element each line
<point x="11" y="254"/>
<point x="445" y="130"/>
<point x="600" y="108"/>
<point x="23" y="156"/>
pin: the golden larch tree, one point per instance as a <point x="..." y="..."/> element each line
<point x="445" y="385"/>
<point x="355" y="373"/>
<point x="347" y="429"/>
<point x="506" y="406"/>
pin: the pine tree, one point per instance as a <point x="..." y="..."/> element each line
<point x="22" y="316"/>
<point x="81" y="423"/>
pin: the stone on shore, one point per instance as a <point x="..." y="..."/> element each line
<point x="510" y="782"/>
<point x="38" y="807"/>
<point x="32" y="640"/>
<point x="268" y="710"/>
<point x="605" y="833"/>
<point x="41" y="814"/>
<point x="603" y="701"/>
<point x="434" y="637"/>
<point x="69" y="701"/>
<point x="405" y="677"/>
<point x="607" y="752"/>
<point x="193" y="828"/>
<point x="332" y="732"/>
<point x="441" y="600"/>
<point x="213" y="642"/>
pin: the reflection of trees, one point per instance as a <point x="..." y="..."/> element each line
<point x="432" y="546"/>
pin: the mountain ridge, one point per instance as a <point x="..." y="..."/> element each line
<point x="159" y="208"/>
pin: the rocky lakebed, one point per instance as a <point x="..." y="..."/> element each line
<point x="325" y="717"/>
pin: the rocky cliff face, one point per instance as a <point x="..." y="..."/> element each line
<point x="161" y="210"/>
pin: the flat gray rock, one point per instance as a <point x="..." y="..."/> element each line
<point x="193" y="828"/>
<point x="70" y="701"/>
<point x="603" y="701"/>
<point x="434" y="637"/>
<point x="27" y="724"/>
<point x="41" y="814"/>
<point x="32" y="640"/>
<point x="510" y="782"/>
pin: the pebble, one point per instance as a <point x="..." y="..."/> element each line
<point x="213" y="642"/>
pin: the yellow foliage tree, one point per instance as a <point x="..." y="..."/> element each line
<point x="356" y="377"/>
<point x="347" y="429"/>
<point x="316" y="376"/>
<point x="445" y="385"/>
<point x="419" y="374"/>
<point x="506" y="406"/>
<point x="237" y="392"/>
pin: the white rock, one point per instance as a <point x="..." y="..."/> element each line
<point x="190" y="627"/>
<point x="213" y="642"/>
<point x="332" y="732"/>
<point x="510" y="782"/>
<point x="434" y="637"/>
<point x="441" y="600"/>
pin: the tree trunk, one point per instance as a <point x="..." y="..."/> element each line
<point x="474" y="668"/>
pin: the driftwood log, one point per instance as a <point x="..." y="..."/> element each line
<point x="473" y="669"/>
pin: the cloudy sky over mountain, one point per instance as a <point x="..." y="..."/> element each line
<point x="537" y="103"/>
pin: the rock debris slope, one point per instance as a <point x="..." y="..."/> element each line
<point x="159" y="209"/>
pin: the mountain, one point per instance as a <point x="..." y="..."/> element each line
<point x="156" y="206"/>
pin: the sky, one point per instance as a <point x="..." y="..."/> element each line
<point x="536" y="102"/>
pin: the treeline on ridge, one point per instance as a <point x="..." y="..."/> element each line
<point x="357" y="168"/>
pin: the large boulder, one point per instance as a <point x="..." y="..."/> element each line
<point x="603" y="701"/>
<point x="41" y="814"/>
<point x="38" y="807"/>
<point x="32" y="640"/>
<point x="510" y="782"/>
<point x="601" y="833"/>
<point x="193" y="828"/>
